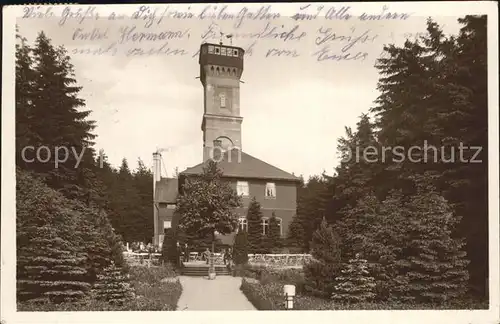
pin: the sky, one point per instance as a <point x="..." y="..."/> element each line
<point x="294" y="109"/>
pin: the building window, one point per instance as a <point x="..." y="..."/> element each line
<point x="265" y="225"/>
<point x="242" y="188"/>
<point x="210" y="49"/>
<point x="222" y="97"/>
<point x="170" y="206"/>
<point x="235" y="53"/>
<point x="223" y="51"/>
<point x="167" y="224"/>
<point x="242" y="224"/>
<point x="217" y="50"/>
<point x="270" y="190"/>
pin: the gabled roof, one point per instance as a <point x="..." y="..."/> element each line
<point x="238" y="164"/>
<point x="166" y="190"/>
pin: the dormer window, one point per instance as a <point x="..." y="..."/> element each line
<point x="222" y="97"/>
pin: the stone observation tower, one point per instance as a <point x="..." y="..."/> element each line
<point x="221" y="67"/>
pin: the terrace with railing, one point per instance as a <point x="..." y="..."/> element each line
<point x="265" y="260"/>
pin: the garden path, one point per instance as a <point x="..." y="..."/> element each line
<point x="223" y="293"/>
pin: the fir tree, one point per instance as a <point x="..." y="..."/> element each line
<point x="240" y="248"/>
<point x="312" y="203"/>
<point x="463" y="120"/>
<point x="378" y="230"/>
<point x="143" y="224"/>
<point x="437" y="264"/>
<point x="127" y="206"/>
<point x="273" y="238"/>
<point x="255" y="235"/>
<point x="169" y="248"/>
<point x="44" y="76"/>
<point x="359" y="171"/>
<point x="25" y="78"/>
<point x="51" y="256"/>
<point x="112" y="286"/>
<point x="435" y="90"/>
<point x="55" y="94"/>
<point x="355" y="285"/>
<point x="321" y="272"/>
<point x="295" y="235"/>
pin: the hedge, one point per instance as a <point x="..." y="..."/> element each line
<point x="267" y="294"/>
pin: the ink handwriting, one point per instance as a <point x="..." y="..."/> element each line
<point x="267" y="32"/>
<point x="328" y="35"/>
<point x="80" y="15"/>
<point x="39" y="12"/>
<point x="385" y="15"/>
<point x="260" y="30"/>
<point x="326" y="54"/>
<point x="219" y="13"/>
<point x="129" y="34"/>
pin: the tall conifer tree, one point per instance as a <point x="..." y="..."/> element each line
<point x="255" y="232"/>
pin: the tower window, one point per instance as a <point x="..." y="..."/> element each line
<point x="223" y="51"/>
<point x="235" y="53"/>
<point x="217" y="50"/>
<point x="270" y="190"/>
<point x="210" y="49"/>
<point x="222" y="97"/>
<point x="242" y="188"/>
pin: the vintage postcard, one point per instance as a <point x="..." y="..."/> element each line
<point x="340" y="159"/>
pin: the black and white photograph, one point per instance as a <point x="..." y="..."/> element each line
<point x="334" y="158"/>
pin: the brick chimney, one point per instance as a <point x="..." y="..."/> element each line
<point x="156" y="177"/>
<point x="156" y="169"/>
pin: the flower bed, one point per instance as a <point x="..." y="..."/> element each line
<point x="263" y="297"/>
<point x="156" y="289"/>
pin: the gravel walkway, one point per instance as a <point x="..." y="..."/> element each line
<point x="223" y="293"/>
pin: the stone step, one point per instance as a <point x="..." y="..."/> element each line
<point x="203" y="271"/>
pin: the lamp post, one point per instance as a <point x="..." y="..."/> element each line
<point x="289" y="293"/>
